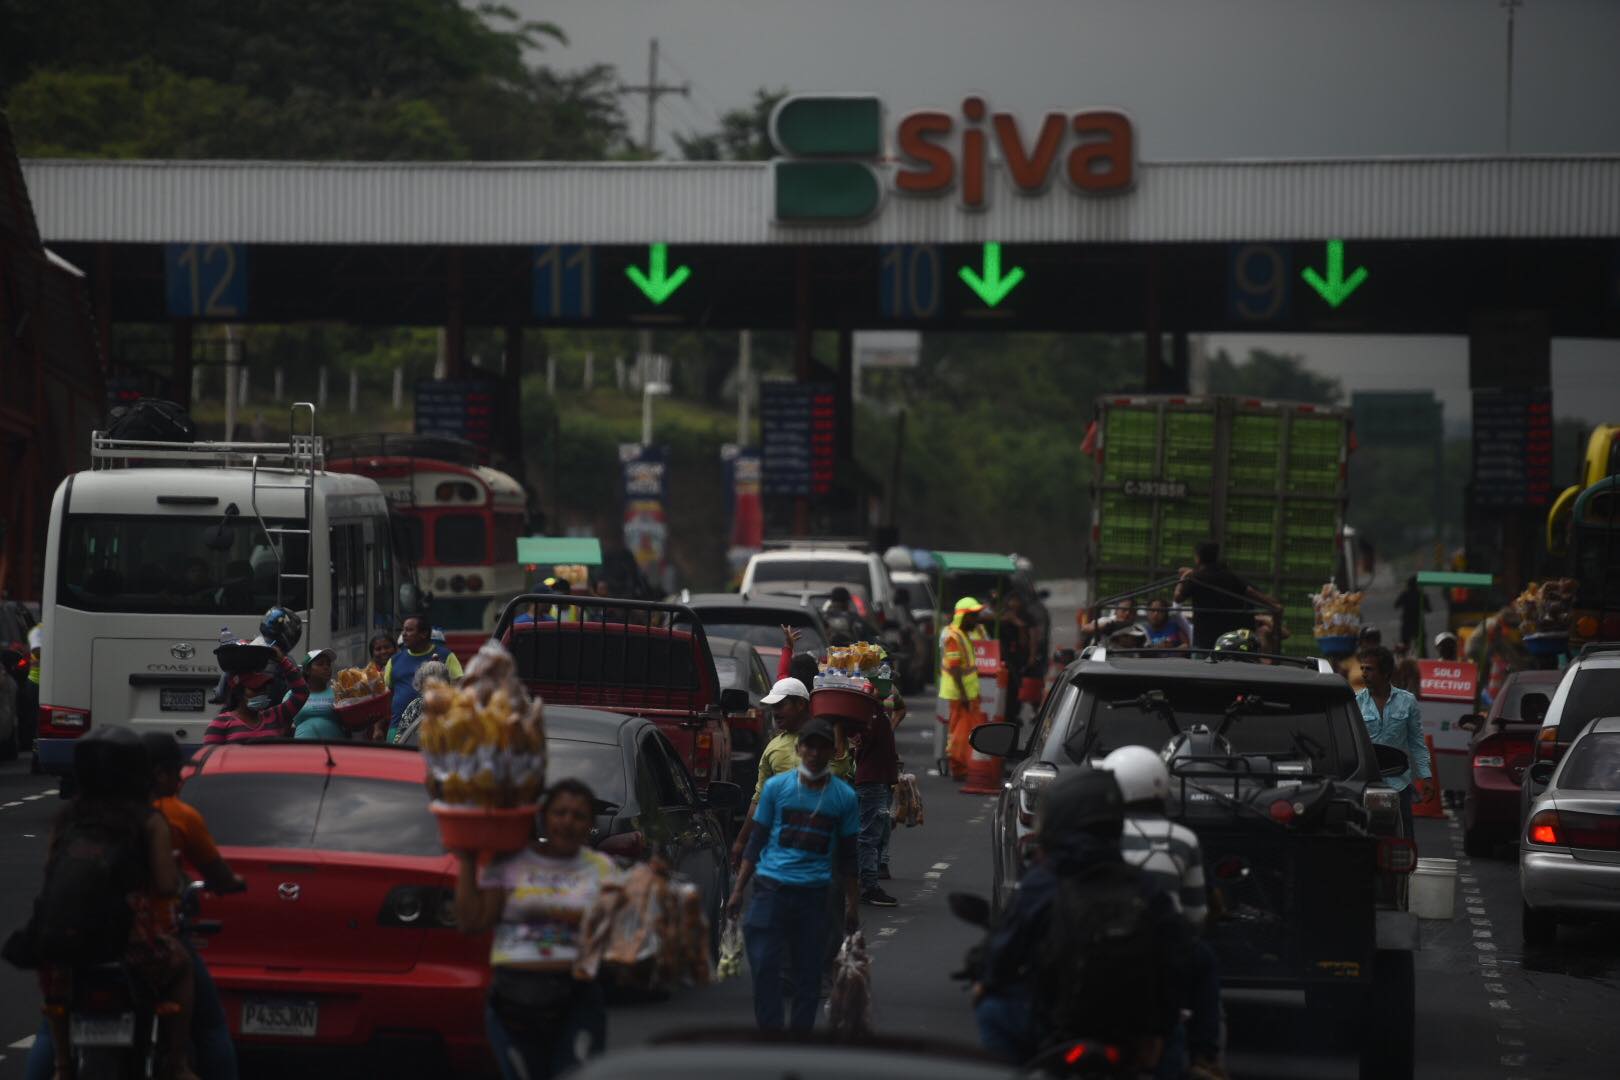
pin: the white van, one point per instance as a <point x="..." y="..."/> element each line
<point x="161" y="546"/>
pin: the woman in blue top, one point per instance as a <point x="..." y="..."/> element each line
<point x="318" y="718"/>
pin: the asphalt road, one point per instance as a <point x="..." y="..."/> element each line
<point x="1486" y="1006"/>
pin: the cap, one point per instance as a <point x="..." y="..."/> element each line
<point x="784" y="689"/>
<point x="1442" y="637"/>
<point x="314" y="655"/>
<point x="817" y="727"/>
<point x="967" y="603"/>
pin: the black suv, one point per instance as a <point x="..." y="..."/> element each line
<point x="1271" y="766"/>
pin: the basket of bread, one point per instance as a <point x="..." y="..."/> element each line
<point x="1545" y="612"/>
<point x="361" y="697"/>
<point x="1338" y="620"/>
<point x="484" y="745"/>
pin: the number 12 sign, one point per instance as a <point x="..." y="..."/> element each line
<point x="206" y="281"/>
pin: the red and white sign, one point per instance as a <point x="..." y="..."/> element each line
<point x="1447" y="680"/>
<point x="987" y="661"/>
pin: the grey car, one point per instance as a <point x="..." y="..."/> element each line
<point x="1569" y="855"/>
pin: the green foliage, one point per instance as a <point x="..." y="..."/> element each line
<point x="744" y="134"/>
<point x="1272" y="375"/>
<point x="305" y="79"/>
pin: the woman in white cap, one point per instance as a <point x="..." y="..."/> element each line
<point x="318" y="718"/>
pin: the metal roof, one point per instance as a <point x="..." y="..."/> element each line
<point x="731" y="203"/>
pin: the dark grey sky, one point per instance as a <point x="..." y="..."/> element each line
<point x="1201" y="78"/>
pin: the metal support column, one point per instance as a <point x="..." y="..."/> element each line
<point x="180" y="366"/>
<point x="455" y="331"/>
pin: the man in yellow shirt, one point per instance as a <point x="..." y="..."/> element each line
<point x="790" y="704"/>
<point x="959" y="682"/>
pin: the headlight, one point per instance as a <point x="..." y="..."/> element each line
<point x="1031" y="783"/>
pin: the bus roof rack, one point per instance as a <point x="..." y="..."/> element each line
<point x="1598" y="648"/>
<point x="299" y="453"/>
<point x="1102" y="653"/>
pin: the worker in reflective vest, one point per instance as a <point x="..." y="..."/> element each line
<point x="959" y="682"/>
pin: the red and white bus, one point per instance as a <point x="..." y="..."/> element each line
<point x="459" y="522"/>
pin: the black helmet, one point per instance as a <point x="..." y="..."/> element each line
<point x="111" y="763"/>
<point x="1084" y="801"/>
<point x="282" y="627"/>
<point x="1242" y="641"/>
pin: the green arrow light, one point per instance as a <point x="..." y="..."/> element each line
<point x="657" y="284"/>
<point x="1335" y="288"/>
<point x="991" y="285"/>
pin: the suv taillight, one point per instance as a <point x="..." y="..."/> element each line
<point x="1491" y="753"/>
<point x="61" y="722"/>
<point x="703" y="755"/>
<point x="1397" y="855"/>
<point x="1547" y="748"/>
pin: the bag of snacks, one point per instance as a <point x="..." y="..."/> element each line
<point x="649" y="929"/>
<point x="1338" y="614"/>
<point x="484" y="745"/>
<point x="908" y="805"/>
<point x="732" y="947"/>
<point x="849" y="1009"/>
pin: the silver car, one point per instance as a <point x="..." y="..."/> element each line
<point x="1569" y="855"/>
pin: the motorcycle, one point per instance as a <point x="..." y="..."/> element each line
<point x="1069" y="1058"/>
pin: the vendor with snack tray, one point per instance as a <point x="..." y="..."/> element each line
<point x="318" y="718"/>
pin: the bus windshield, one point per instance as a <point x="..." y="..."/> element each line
<point x="161" y="564"/>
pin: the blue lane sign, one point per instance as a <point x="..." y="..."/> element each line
<point x="206" y="281"/>
<point x="1259" y="279"/>
<point x="563" y="281"/>
<point x="909" y="281"/>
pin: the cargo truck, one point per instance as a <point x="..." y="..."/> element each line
<point x="1267" y="479"/>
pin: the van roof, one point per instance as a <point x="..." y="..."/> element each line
<point x="136" y="490"/>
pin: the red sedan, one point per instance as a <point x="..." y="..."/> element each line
<point x="345" y="936"/>
<point x="1499" y="753"/>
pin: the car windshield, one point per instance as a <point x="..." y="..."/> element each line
<point x="1594" y="764"/>
<point x="1308" y="724"/>
<point x="1593" y="692"/>
<point x="1512" y="708"/>
<point x="314" y="811"/>
<point x="163" y="564"/>
<point x="599" y="766"/>
<point x="847" y="571"/>
<point x="767" y="633"/>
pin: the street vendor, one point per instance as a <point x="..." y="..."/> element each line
<point x="318" y="718"/>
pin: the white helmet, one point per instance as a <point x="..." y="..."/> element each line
<point x="1140" y="774"/>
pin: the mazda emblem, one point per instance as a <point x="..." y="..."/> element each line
<point x="288" y="890"/>
<point x="183" y="651"/>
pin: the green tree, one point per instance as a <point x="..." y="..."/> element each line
<point x="744" y="134"/>
<point x="1272" y="375"/>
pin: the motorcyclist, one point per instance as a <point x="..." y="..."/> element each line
<point x="1018" y="998"/>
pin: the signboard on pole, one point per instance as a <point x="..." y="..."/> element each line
<point x="742" y="468"/>
<point x="798" y="425"/>
<point x="457" y="409"/>
<point x="987" y="662"/>
<point x="646" y="521"/>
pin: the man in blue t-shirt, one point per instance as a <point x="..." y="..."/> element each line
<point x="806" y="824"/>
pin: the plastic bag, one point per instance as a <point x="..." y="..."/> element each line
<point x="649" y="929"/>
<point x="907" y="808"/>
<point x="849" y="1009"/>
<point x="731" y="951"/>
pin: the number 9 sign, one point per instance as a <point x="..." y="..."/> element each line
<point x="1258" y="283"/>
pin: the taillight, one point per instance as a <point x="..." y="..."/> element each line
<point x="1397" y="855"/>
<point x="860" y="604"/>
<point x="1547" y="744"/>
<point x="1282" y="810"/>
<point x="1489" y="761"/>
<point x="626" y="845"/>
<point x="61" y="722"/>
<point x="419" y="905"/>
<point x="1572" y="828"/>
<point x="475" y="583"/>
<point x="703" y="755"/>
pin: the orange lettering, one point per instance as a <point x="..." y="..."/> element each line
<point x="917" y="132"/>
<point x="1029" y="172"/>
<point x="1105" y="159"/>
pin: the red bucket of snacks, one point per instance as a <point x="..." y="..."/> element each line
<point x="357" y="714"/>
<point x="854" y="708"/>
<point x="499" y="830"/>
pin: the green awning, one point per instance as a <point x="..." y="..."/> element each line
<point x="559" y="551"/>
<point x="982" y="562"/>
<point x="1453" y="579"/>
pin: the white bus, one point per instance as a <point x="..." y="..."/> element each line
<point x="160" y="546"/>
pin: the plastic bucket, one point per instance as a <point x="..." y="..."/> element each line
<point x="855" y="708"/>
<point x="473" y="828"/>
<point x="1433" y="893"/>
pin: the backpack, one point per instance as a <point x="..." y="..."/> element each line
<point x="82" y="915"/>
<point x="1101" y="971"/>
<point x="151" y="420"/>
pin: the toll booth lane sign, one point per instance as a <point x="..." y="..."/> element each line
<point x="798" y="437"/>
<point x="989" y="283"/>
<point x="563" y="279"/>
<point x="1331" y="284"/>
<point x="657" y="282"/>
<point x="206" y="281"/>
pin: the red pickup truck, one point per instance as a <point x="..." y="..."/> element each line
<point x="628" y="656"/>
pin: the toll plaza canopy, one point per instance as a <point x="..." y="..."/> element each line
<point x="1371" y="245"/>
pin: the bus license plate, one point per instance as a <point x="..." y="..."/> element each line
<point x="181" y="700"/>
<point x="105" y="1029"/>
<point x="279" y="1017"/>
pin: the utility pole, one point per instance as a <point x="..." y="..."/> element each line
<point x="653" y="91"/>
<point x="1507" y="105"/>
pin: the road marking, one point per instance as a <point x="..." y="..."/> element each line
<point x="31" y="798"/>
<point x="1500" y="1003"/>
<point x="23" y="1044"/>
<point x="1483" y="933"/>
<point x="1480" y="922"/>
<point x="9" y="805"/>
<point x="885" y="931"/>
<point x="933" y="875"/>
<point x="941" y="866"/>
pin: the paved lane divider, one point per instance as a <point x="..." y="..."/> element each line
<point x="1507" y="1028"/>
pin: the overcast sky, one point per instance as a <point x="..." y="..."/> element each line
<point x="1201" y="78"/>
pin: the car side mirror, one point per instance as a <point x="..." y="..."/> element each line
<point x="1392" y="761"/>
<point x="722" y="795"/>
<point x="996" y="740"/>
<point x="1542" y="772"/>
<point x="1472" y="722"/>
<point x="734" y="700"/>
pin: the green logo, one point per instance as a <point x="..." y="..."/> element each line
<point x="829" y="144"/>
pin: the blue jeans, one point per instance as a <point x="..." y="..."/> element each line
<point x="873" y="800"/>
<point x="1007" y="1026"/>
<point x="532" y="1058"/>
<point x="210" y="1035"/>
<point x="791" y="919"/>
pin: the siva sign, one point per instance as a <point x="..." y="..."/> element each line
<point x="835" y="165"/>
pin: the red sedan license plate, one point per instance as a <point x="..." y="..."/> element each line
<point x="279" y="1016"/>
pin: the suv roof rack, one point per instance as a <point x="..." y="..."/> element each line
<point x="1309" y="663"/>
<point x="1597" y="648"/>
<point x="825" y="543"/>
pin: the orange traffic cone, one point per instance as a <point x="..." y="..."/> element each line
<point x="1430" y="807"/>
<point x="984" y="771"/>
